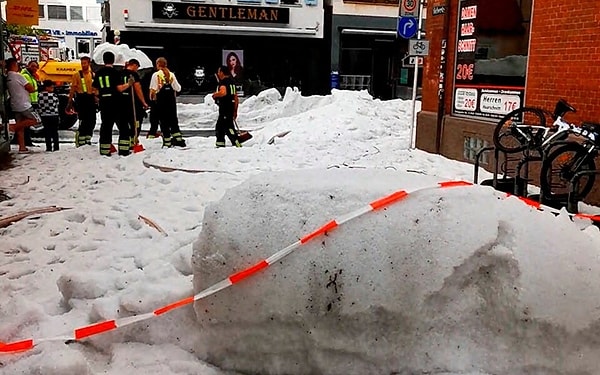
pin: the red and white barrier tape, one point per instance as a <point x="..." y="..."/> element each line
<point x="101" y="327"/>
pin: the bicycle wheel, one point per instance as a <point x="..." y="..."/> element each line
<point x="560" y="166"/>
<point x="514" y="132"/>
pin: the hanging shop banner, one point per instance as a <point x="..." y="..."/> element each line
<point x="22" y="12"/>
<point x="218" y="12"/>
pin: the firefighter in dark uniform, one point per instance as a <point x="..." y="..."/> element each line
<point x="133" y="107"/>
<point x="163" y="89"/>
<point x="108" y="86"/>
<point x="83" y="101"/>
<point x="227" y="99"/>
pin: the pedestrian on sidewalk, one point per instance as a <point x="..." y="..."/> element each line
<point x="163" y="90"/>
<point x="227" y="100"/>
<point x="30" y="74"/>
<point x="48" y="107"/>
<point x="83" y="101"/>
<point x="20" y="103"/>
<point x="108" y="87"/>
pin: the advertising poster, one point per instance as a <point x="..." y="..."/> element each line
<point x="471" y="97"/>
<point x="234" y="60"/>
<point x="22" y="12"/>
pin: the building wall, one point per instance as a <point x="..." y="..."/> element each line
<point x="563" y="62"/>
<point x="341" y="7"/>
<point x="564" y="57"/>
<point x="69" y="30"/>
<point x="306" y="21"/>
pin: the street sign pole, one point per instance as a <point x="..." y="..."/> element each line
<point x="4" y="120"/>
<point x="413" y="123"/>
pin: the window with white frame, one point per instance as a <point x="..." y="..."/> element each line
<point x="76" y="13"/>
<point x="93" y="14"/>
<point x="57" y="12"/>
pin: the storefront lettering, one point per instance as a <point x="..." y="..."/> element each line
<point x="467" y="29"/>
<point x="244" y="14"/>
<point x="468" y="13"/>
<point x="467" y="45"/>
<point x="58" y="32"/>
<point x="205" y="12"/>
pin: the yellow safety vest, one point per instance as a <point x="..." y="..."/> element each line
<point x="32" y="81"/>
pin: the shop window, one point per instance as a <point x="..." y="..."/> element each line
<point x="93" y="13"/>
<point x="83" y="46"/>
<point x="491" y="57"/>
<point x="290" y="2"/>
<point x="57" y="12"/>
<point x="472" y="146"/>
<point x="76" y="13"/>
<point x="41" y="11"/>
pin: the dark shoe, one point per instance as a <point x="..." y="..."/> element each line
<point x="179" y="142"/>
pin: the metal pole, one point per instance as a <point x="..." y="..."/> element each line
<point x="413" y="124"/>
<point x="2" y="88"/>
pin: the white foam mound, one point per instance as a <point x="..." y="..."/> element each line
<point x="419" y="287"/>
<point x="122" y="54"/>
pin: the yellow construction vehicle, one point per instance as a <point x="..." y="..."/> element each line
<point x="58" y="71"/>
<point x="61" y="72"/>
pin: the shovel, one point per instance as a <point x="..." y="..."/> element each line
<point x="137" y="146"/>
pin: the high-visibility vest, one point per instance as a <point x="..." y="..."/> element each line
<point x="33" y="96"/>
<point x="162" y="80"/>
<point x="84" y="88"/>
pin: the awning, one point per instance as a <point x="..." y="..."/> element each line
<point x="220" y="29"/>
<point x="369" y="32"/>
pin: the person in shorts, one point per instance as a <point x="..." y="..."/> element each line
<point x="19" y="89"/>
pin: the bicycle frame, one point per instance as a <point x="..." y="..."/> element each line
<point x="562" y="127"/>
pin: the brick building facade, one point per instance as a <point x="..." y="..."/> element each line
<point x="556" y="42"/>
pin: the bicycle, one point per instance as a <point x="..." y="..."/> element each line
<point x="525" y="128"/>
<point x="570" y="161"/>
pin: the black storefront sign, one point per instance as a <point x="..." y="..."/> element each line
<point x="218" y="12"/>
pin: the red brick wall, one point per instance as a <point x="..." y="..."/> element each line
<point x="435" y="31"/>
<point x="564" y="57"/>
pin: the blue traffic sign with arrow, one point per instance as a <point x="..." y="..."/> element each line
<point x="407" y="27"/>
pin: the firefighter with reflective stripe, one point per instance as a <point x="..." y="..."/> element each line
<point x="83" y="101"/>
<point x="227" y="99"/>
<point x="108" y="87"/>
<point x="163" y="90"/>
<point x="133" y="107"/>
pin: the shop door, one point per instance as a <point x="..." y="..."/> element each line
<point x="383" y="57"/>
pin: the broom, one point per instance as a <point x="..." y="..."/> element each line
<point x="244" y="135"/>
<point x="137" y="146"/>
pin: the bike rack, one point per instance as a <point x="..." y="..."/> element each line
<point x="513" y="185"/>
<point x="573" y="199"/>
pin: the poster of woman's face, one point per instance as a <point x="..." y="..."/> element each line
<point x="234" y="60"/>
